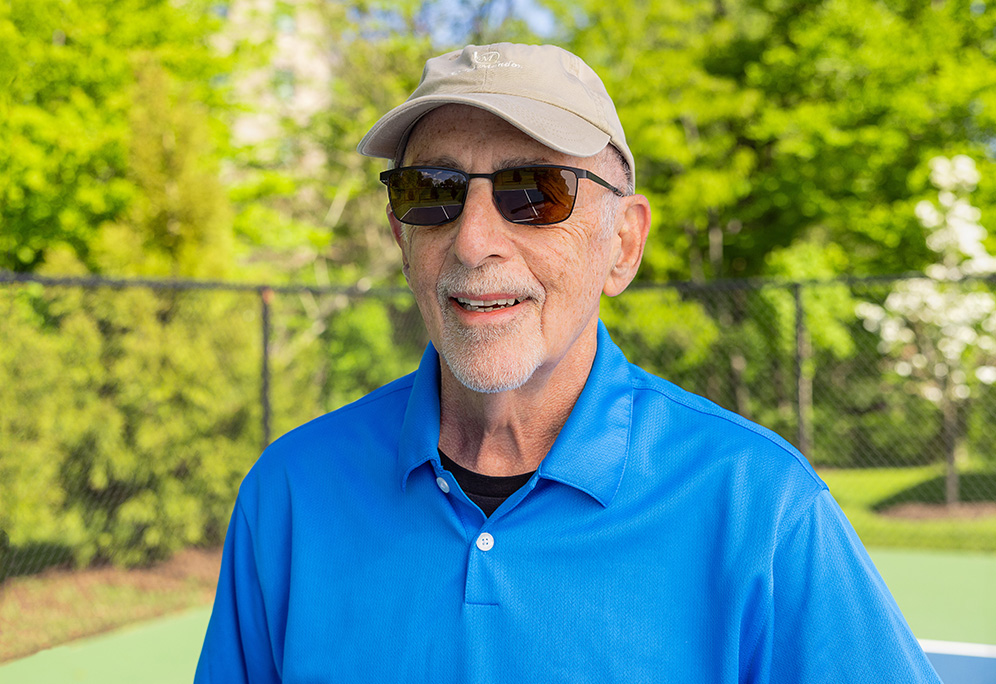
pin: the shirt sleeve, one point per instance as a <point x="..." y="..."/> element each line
<point x="237" y="647"/>
<point x="833" y="618"/>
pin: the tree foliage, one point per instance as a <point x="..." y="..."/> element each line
<point x="938" y="332"/>
<point x="123" y="437"/>
<point x="125" y="421"/>
<point x="69" y="76"/>
<point x="761" y="125"/>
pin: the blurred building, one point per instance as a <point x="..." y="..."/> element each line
<point x="283" y="74"/>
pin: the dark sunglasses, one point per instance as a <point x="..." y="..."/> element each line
<point x="534" y="195"/>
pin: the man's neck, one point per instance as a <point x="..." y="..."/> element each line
<point x="508" y="433"/>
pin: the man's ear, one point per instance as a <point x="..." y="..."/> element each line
<point x="632" y="228"/>
<point x="398" y="230"/>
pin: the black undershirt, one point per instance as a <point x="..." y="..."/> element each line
<point x="487" y="491"/>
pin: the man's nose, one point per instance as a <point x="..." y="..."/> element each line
<point x="482" y="232"/>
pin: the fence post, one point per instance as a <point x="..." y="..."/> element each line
<point x="803" y="383"/>
<point x="265" y="297"/>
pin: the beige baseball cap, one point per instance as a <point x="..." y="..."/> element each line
<point x="543" y="90"/>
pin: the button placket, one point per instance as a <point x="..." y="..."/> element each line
<point x="482" y="564"/>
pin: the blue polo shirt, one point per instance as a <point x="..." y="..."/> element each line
<point x="662" y="539"/>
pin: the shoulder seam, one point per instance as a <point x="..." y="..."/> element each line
<point x="743" y="423"/>
<point x="788" y="530"/>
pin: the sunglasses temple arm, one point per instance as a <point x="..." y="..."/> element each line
<point x="604" y="183"/>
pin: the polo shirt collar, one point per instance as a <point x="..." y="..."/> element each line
<point x="590" y="451"/>
<point x="419" y="439"/>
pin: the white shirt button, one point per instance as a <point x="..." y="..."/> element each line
<point x="443" y="485"/>
<point x="485" y="541"/>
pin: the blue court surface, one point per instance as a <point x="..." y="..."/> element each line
<point x="959" y="663"/>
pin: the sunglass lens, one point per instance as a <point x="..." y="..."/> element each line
<point x="537" y="195"/>
<point x="427" y="197"/>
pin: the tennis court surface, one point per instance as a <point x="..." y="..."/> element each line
<point x="958" y="663"/>
<point x="949" y="600"/>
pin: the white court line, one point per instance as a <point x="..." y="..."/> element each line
<point x="958" y="648"/>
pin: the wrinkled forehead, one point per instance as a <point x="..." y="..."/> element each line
<point x="463" y="132"/>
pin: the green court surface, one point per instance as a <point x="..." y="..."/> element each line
<point x="945" y="596"/>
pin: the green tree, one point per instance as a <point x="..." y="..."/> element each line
<point x="937" y="331"/>
<point x="760" y="124"/>
<point x="789" y="138"/>
<point x="179" y="221"/>
<point x="67" y="71"/>
<point x="128" y="416"/>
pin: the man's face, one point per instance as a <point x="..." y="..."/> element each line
<point x="502" y="301"/>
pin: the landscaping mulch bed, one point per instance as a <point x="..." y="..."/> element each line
<point x="926" y="511"/>
<point x="59" y="605"/>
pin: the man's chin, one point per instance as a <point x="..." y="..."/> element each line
<point x="488" y="374"/>
<point x="487" y="385"/>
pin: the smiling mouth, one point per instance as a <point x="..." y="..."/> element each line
<point x="485" y="305"/>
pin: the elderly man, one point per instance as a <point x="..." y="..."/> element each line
<point x="528" y="506"/>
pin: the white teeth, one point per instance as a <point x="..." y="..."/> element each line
<point x="485" y="304"/>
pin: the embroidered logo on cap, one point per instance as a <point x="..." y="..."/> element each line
<point x="492" y="60"/>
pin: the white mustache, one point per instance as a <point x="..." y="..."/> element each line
<point x="487" y="279"/>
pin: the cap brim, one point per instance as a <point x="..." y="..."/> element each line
<point x="552" y="126"/>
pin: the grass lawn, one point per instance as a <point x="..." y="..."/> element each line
<point x="865" y="495"/>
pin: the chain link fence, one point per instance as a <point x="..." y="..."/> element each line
<point x="130" y="410"/>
